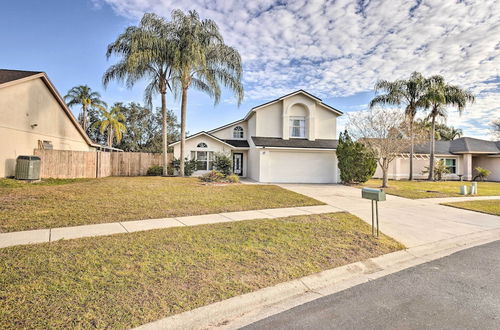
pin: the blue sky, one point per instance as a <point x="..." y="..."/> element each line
<point x="333" y="49"/>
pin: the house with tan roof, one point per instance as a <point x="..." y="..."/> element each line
<point x="289" y="139"/>
<point x="33" y="115"/>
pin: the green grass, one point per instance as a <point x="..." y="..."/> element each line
<point x="11" y="183"/>
<point x="428" y="189"/>
<point x="491" y="206"/>
<point x="125" y="280"/>
<point x="34" y="206"/>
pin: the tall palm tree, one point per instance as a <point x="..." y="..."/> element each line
<point x="410" y="93"/>
<point x="441" y="95"/>
<point x="84" y="96"/>
<point x="448" y="133"/>
<point x="112" y="122"/>
<point x="146" y="52"/>
<point x="203" y="62"/>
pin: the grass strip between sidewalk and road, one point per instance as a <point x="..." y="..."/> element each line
<point x="125" y="280"/>
<point x="489" y="206"/>
<point x="431" y="189"/>
<point x="63" y="203"/>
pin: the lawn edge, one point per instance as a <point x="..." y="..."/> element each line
<point x="244" y="309"/>
<point x="450" y="204"/>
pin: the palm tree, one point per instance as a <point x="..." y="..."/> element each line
<point x="112" y="122"/>
<point x="84" y="96"/>
<point x="439" y="96"/>
<point x="203" y="62"/>
<point x="447" y="133"/>
<point x="146" y="52"/>
<point x="410" y="93"/>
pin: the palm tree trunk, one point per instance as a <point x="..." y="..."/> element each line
<point x="84" y="117"/>
<point x="183" y="127"/>
<point x="433" y="149"/>
<point x="110" y="136"/>
<point x="412" y="138"/>
<point x="164" y="132"/>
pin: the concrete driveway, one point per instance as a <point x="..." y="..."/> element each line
<point x="411" y="221"/>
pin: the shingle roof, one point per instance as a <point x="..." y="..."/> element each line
<point x="262" y="141"/>
<point x="11" y="75"/>
<point x="238" y="143"/>
<point x="462" y="145"/>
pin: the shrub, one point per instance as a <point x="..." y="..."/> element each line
<point x="189" y="166"/>
<point x="223" y="163"/>
<point x="213" y="176"/>
<point x="440" y="169"/>
<point x="155" y="170"/>
<point x="482" y="173"/>
<point x="356" y="162"/>
<point x="233" y="178"/>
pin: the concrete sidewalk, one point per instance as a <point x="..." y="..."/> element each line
<point x="102" y="229"/>
<point x="413" y="222"/>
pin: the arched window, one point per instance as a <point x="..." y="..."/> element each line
<point x="202" y="145"/>
<point x="238" y="132"/>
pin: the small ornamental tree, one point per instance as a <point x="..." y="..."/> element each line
<point x="356" y="162"/>
<point x="223" y="163"/>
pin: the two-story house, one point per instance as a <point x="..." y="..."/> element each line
<point x="290" y="139"/>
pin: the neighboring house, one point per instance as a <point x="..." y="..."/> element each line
<point x="461" y="156"/>
<point x="290" y="139"/>
<point x="34" y="116"/>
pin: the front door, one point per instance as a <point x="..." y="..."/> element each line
<point x="238" y="164"/>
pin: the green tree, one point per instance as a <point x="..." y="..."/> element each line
<point x="439" y="97"/>
<point x="88" y="99"/>
<point x="410" y="93"/>
<point x="146" y="52"/>
<point x="356" y="162"/>
<point x="447" y="133"/>
<point x="203" y="61"/>
<point x="112" y="123"/>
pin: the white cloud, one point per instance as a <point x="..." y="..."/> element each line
<point x="340" y="48"/>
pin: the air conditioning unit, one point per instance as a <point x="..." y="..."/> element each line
<point x="28" y="168"/>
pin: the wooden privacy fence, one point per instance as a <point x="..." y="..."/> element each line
<point x="95" y="164"/>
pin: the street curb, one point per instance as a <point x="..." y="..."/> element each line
<point x="248" y="308"/>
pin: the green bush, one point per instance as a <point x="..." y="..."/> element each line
<point x="482" y="173"/>
<point x="440" y="169"/>
<point x="233" y="178"/>
<point x="155" y="170"/>
<point x="189" y="166"/>
<point x="356" y="162"/>
<point x="223" y="163"/>
<point x="213" y="176"/>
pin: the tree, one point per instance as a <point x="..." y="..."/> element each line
<point x="410" y="93"/>
<point x="146" y="52"/>
<point x="203" y="61"/>
<point x="495" y="128"/>
<point x="447" y="133"/>
<point x="482" y="174"/>
<point x="356" y="162"/>
<point x="385" y="132"/>
<point x="112" y="123"/>
<point x="88" y="99"/>
<point x="439" y="96"/>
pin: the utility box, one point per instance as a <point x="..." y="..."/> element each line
<point x="373" y="194"/>
<point x="28" y="168"/>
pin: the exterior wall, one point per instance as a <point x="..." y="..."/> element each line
<point x="326" y="123"/>
<point x="252" y="129"/>
<point x="489" y="163"/>
<point x="227" y="133"/>
<point x="254" y="164"/>
<point x="399" y="168"/>
<point x="269" y="120"/>
<point x="191" y="145"/>
<point x="31" y="103"/>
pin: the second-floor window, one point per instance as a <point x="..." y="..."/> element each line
<point x="298" y="127"/>
<point x="238" y="132"/>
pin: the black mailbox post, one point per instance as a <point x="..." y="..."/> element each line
<point x="375" y="195"/>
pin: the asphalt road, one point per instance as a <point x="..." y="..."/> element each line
<point x="461" y="291"/>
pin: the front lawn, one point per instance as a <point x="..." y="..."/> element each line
<point x="429" y="189"/>
<point x="60" y="203"/>
<point x="491" y="206"/>
<point x="125" y="280"/>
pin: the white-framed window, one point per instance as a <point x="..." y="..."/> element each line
<point x="451" y="165"/>
<point x="238" y="132"/>
<point x="202" y="145"/>
<point x="298" y="127"/>
<point x="204" y="160"/>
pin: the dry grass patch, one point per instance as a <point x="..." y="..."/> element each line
<point x="79" y="202"/>
<point x="125" y="280"/>
<point x="491" y="206"/>
<point x="430" y="189"/>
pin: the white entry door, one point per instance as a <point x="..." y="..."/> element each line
<point x="238" y="163"/>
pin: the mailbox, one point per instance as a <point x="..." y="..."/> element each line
<point x="373" y="194"/>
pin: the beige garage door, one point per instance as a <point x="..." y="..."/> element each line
<point x="302" y="167"/>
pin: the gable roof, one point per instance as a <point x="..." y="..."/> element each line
<point x="460" y="146"/>
<point x="261" y="141"/>
<point x="206" y="134"/>
<point x="13" y="77"/>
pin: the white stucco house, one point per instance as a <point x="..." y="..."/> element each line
<point x="291" y="139"/>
